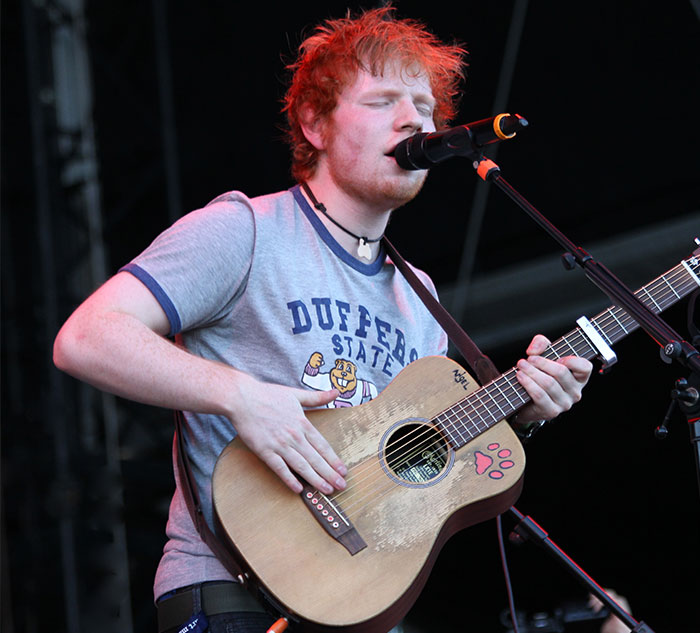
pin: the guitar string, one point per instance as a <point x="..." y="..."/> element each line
<point x="659" y="303"/>
<point x="565" y="340"/>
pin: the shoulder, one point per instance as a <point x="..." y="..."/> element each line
<point x="233" y="204"/>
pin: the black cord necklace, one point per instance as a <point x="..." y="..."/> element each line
<point x="363" y="249"/>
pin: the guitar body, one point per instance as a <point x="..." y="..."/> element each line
<point x="401" y="509"/>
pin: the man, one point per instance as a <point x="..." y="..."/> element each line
<point x="268" y="295"/>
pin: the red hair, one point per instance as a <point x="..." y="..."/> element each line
<point x="331" y="57"/>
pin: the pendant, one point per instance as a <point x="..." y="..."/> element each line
<point x="363" y="249"/>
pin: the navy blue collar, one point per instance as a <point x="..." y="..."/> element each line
<point x="338" y="250"/>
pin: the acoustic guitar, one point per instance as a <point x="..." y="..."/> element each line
<point x="431" y="455"/>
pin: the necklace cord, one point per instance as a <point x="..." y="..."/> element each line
<point x="322" y="208"/>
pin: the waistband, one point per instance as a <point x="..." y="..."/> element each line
<point x="217" y="597"/>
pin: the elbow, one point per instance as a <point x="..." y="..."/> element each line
<point x="62" y="350"/>
<point x="66" y="349"/>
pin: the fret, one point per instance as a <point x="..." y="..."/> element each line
<point x="476" y="410"/>
<point x="478" y="394"/>
<point x="454" y="434"/>
<point x="571" y="347"/>
<point x="459" y="430"/>
<point x="503" y="413"/>
<point x="517" y="388"/>
<point x="589" y="351"/>
<point x="614" y="316"/>
<point x="604" y="334"/>
<point x="606" y="326"/>
<point x="658" y="307"/>
<point x="583" y="345"/>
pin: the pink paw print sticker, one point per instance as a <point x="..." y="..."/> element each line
<point x="497" y="457"/>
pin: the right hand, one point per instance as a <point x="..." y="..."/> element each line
<point x="271" y="422"/>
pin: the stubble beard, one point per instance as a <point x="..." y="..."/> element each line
<point x="383" y="193"/>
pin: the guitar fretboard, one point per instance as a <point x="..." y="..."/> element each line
<point x="503" y="396"/>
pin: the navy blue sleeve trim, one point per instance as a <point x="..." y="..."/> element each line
<point x="160" y="295"/>
<point x="366" y="269"/>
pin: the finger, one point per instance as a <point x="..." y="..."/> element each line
<point x="320" y="448"/>
<point x="313" y="468"/>
<point x="538" y="344"/>
<point x="280" y="468"/>
<point x="551" y="394"/>
<point x="543" y="406"/>
<point x="560" y="371"/>
<point x="318" y="443"/>
<point x="594" y="603"/>
<point x="290" y="461"/>
<point x="311" y="399"/>
<point x="580" y="368"/>
<point x="324" y="462"/>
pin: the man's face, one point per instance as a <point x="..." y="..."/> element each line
<point x="372" y="115"/>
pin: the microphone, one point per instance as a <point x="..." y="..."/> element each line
<point x="422" y="151"/>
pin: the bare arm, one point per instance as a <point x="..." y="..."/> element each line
<point x="116" y="341"/>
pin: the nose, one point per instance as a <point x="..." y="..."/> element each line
<point x="408" y="118"/>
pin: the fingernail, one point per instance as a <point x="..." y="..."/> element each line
<point x="340" y="483"/>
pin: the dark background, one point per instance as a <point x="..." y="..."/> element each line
<point x="611" y="92"/>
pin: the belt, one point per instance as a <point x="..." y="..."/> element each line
<point x="217" y="597"/>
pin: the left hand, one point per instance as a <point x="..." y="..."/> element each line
<point x="553" y="385"/>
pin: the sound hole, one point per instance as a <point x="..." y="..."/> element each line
<point x="416" y="453"/>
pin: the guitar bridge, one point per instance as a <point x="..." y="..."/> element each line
<point x="333" y="520"/>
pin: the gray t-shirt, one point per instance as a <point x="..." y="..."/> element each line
<point x="261" y="285"/>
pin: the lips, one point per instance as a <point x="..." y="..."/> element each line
<point x="392" y="150"/>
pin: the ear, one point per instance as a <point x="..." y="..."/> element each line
<point x="312" y="126"/>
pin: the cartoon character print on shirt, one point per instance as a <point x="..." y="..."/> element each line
<point x="343" y="377"/>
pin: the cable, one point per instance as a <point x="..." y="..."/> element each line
<point x="506" y="574"/>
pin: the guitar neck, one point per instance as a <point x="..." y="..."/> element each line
<point x="503" y="396"/>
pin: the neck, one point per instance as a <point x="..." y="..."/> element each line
<point x="355" y="216"/>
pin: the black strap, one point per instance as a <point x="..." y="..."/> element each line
<point x="481" y="364"/>
<point x="191" y="495"/>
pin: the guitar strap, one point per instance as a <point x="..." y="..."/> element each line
<point x="191" y="495"/>
<point x="480" y="364"/>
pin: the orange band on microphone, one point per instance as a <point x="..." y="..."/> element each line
<point x="497" y="128"/>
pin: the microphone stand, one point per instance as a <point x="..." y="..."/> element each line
<point x="527" y="528"/>
<point x="673" y="346"/>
